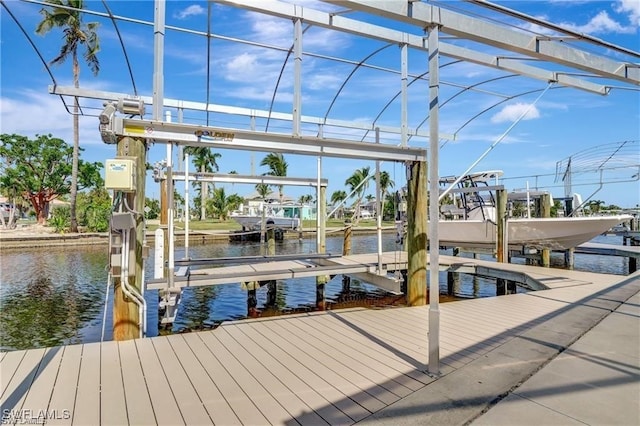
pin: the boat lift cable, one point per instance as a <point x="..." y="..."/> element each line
<point x="494" y="144"/>
<point x="275" y="89"/>
<point x="46" y="65"/>
<point x="124" y="50"/>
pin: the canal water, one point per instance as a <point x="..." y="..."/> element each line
<point x="54" y="296"/>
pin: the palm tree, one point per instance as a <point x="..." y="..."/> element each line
<point x="221" y="204"/>
<point x="304" y="199"/>
<point x="205" y="161"/>
<point x="338" y="197"/>
<point x="385" y="184"/>
<point x="263" y="190"/>
<point x="358" y="183"/>
<point x="277" y="167"/>
<point x="75" y="33"/>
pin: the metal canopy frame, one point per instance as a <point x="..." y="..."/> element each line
<point x="247" y="179"/>
<point x="488" y="33"/>
<point x="218" y="137"/>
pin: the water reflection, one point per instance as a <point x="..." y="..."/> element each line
<point x="55" y="296"/>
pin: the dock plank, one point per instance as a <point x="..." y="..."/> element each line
<point x="263" y="338"/>
<point x="239" y="401"/>
<point x="191" y="407"/>
<point x="8" y="367"/>
<point x="20" y="384"/>
<point x="289" y="400"/>
<point x="87" y="406"/>
<point x="269" y="406"/>
<point x="344" y="365"/>
<point x="37" y="400"/>
<point x="322" y="366"/>
<point x="139" y="408"/>
<point x="64" y="392"/>
<point x="349" y="328"/>
<point x="306" y="393"/>
<point x="165" y="407"/>
<point x="113" y="407"/>
<point x="360" y="359"/>
<point x="214" y="402"/>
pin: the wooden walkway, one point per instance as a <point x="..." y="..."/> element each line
<point x="334" y="367"/>
<point x="365" y="267"/>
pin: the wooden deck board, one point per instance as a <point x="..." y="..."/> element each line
<point x="20" y="384"/>
<point x="63" y="396"/>
<point x="87" y="407"/>
<point x="279" y="350"/>
<point x="136" y="392"/>
<point x="291" y="401"/>
<point x="409" y="367"/>
<point x="188" y="400"/>
<point x="269" y="406"/>
<point x="214" y="402"/>
<point x="37" y="399"/>
<point x="366" y="357"/>
<point x="113" y="407"/>
<point x="343" y="364"/>
<point x="413" y="327"/>
<point x="307" y="394"/>
<point x="321" y="366"/>
<point x="165" y="407"/>
<point x="8" y="368"/>
<point x="241" y="404"/>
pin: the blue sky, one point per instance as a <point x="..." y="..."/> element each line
<point x="564" y="122"/>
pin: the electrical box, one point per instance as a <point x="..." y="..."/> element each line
<point x="120" y="174"/>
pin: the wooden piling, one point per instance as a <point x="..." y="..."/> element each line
<point x="545" y="212"/>
<point x="125" y="311"/>
<point x="321" y="280"/>
<point x="569" y="258"/>
<point x="501" y="219"/>
<point x="346" y="243"/>
<point x="271" y="251"/>
<point x="417" y="234"/>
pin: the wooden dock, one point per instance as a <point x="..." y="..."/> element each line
<point x="335" y="367"/>
<point x="366" y="268"/>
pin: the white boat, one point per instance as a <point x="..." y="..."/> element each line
<point x="472" y="220"/>
<point x="282" y="216"/>
<point x="552" y="233"/>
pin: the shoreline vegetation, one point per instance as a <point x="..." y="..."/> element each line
<point x="28" y="234"/>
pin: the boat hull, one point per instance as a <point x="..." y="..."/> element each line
<point x="552" y="233"/>
<point x="255" y="222"/>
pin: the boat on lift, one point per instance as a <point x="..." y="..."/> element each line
<point x="468" y="219"/>
<point x="280" y="216"/>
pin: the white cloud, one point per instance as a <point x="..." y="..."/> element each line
<point x="630" y="7"/>
<point x="193" y="10"/>
<point x="513" y="111"/>
<point x="599" y="24"/>
<point x="40" y="113"/>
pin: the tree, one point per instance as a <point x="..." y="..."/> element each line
<point x="358" y="183"/>
<point x="40" y="170"/>
<point x="336" y="198"/>
<point x="263" y="190"/>
<point x="205" y="161"/>
<point x="221" y="204"/>
<point x="152" y="208"/>
<point x="595" y="206"/>
<point x="75" y="34"/>
<point x="277" y="167"/>
<point x="304" y="199"/>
